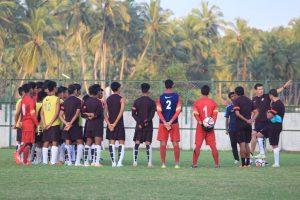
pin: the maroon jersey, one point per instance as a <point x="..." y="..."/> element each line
<point x="245" y="106"/>
<point x="262" y="104"/>
<point x="93" y="105"/>
<point x="114" y="107"/>
<point x="70" y="107"/>
<point x="143" y="111"/>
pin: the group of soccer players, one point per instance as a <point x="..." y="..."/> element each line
<point x="50" y="129"/>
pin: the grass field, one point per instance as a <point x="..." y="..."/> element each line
<point x="205" y="182"/>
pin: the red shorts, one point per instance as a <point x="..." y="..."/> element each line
<point x="28" y="131"/>
<point x="201" y="135"/>
<point x="163" y="133"/>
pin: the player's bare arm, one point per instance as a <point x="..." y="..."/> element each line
<point x="238" y="114"/>
<point x="56" y="114"/>
<point x="121" y="112"/>
<point x="285" y="86"/>
<point x="43" y="117"/>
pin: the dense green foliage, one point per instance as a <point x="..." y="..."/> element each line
<point x="125" y="40"/>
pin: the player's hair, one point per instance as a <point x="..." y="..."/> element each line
<point x="258" y="85"/>
<point x="115" y="86"/>
<point x="169" y="84"/>
<point x="41" y="95"/>
<point x="230" y="94"/>
<point x="145" y="87"/>
<point x="71" y="89"/>
<point x="94" y="89"/>
<point x="45" y="84"/>
<point x="61" y="89"/>
<point x="39" y="85"/>
<point x="205" y="90"/>
<point x="239" y="90"/>
<point x="51" y="85"/>
<point x="32" y="84"/>
<point x="273" y="92"/>
<point x="85" y="97"/>
<point x="20" y="90"/>
<point x="77" y="86"/>
<point x="26" y="87"/>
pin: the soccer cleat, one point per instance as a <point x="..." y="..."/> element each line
<point x="150" y="165"/>
<point x="177" y="167"/>
<point x="97" y="165"/>
<point x="17" y="158"/>
<point x="120" y="165"/>
<point x="134" y="164"/>
<point x="275" y="165"/>
<point x="217" y="166"/>
<point x="260" y="156"/>
<point x="163" y="166"/>
<point x="236" y="162"/>
<point x="242" y="166"/>
<point x="193" y="167"/>
<point x="78" y="165"/>
<point x="113" y="164"/>
<point x="87" y="164"/>
<point x="93" y="164"/>
<point x="28" y="163"/>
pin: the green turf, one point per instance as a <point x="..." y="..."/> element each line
<point x="205" y="182"/>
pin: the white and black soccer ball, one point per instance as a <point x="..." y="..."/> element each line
<point x="209" y="122"/>
<point x="260" y="163"/>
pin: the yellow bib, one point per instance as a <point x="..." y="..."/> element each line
<point x="17" y="104"/>
<point x="49" y="109"/>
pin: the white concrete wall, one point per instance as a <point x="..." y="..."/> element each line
<point x="289" y="141"/>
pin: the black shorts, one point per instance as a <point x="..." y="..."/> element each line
<point x="19" y="134"/>
<point x="38" y="137"/>
<point x="53" y="134"/>
<point x="117" y="134"/>
<point x="273" y="131"/>
<point x="233" y="137"/>
<point x="143" y="135"/>
<point x="244" y="133"/>
<point x="259" y="126"/>
<point x="92" y="133"/>
<point x="75" y="133"/>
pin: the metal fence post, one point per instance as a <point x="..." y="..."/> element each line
<point x="213" y="88"/>
<point x="10" y="111"/>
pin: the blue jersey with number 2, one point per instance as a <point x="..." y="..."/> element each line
<point x="168" y="103"/>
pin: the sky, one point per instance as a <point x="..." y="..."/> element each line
<point x="262" y="14"/>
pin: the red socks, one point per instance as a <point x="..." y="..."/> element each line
<point x="215" y="154"/>
<point x="26" y="153"/>
<point x="196" y="155"/>
<point x="176" y="153"/>
<point x="163" y="149"/>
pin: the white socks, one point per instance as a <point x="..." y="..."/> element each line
<point x="79" y="153"/>
<point x="276" y="152"/>
<point x="121" y="154"/>
<point x="260" y="142"/>
<point x="38" y="158"/>
<point x="62" y="149"/>
<point x="45" y="155"/>
<point x="68" y="160"/>
<point x="112" y="154"/>
<point x="97" y="154"/>
<point x="54" y="154"/>
<point x="72" y="148"/>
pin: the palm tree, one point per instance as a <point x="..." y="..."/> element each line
<point x="239" y="43"/>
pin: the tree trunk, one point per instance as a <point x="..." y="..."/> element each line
<point x="104" y="60"/>
<point x="245" y="68"/>
<point x="46" y="74"/>
<point x="83" y="66"/>
<point x="238" y="68"/>
<point x="96" y="59"/>
<point x="122" y="64"/>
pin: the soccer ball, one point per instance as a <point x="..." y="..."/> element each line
<point x="260" y="163"/>
<point x="208" y="122"/>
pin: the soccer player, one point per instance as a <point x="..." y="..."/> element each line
<point x="143" y="111"/>
<point x="93" y="112"/>
<point x="69" y="115"/>
<point x="244" y="107"/>
<point x="230" y="127"/>
<point x="51" y="123"/>
<point x="29" y="123"/>
<point x="168" y="110"/>
<point x="203" y="108"/>
<point x="34" y="89"/>
<point x="115" y="128"/>
<point x="39" y="130"/>
<point x="275" y="116"/>
<point x="18" y="125"/>
<point x="262" y="103"/>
